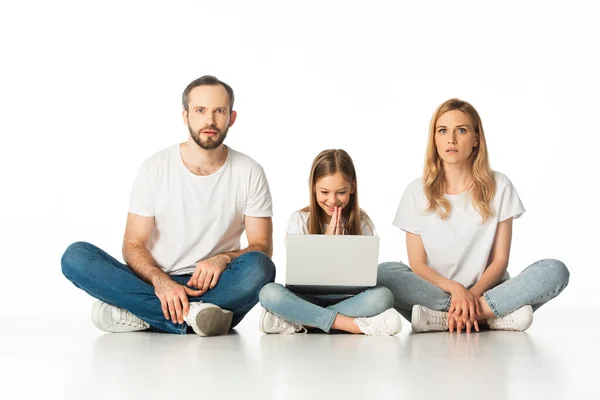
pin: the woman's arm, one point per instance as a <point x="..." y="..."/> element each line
<point x="498" y="260"/>
<point x="463" y="305"/>
<point x="417" y="260"/>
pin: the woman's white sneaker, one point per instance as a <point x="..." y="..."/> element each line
<point x="518" y="320"/>
<point x="424" y="319"/>
<point x="114" y="319"/>
<point x="387" y="323"/>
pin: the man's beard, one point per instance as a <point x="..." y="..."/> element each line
<point x="209" y="143"/>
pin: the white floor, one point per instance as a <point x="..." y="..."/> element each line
<point x="62" y="358"/>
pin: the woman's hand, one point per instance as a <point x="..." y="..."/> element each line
<point x="464" y="309"/>
<point x="335" y="225"/>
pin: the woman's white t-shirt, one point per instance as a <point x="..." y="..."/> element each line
<point x="458" y="248"/>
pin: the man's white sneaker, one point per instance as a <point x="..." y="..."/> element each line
<point x="208" y="319"/>
<point x="385" y="324"/>
<point x="518" y="320"/>
<point x="114" y="319"/>
<point x="424" y="319"/>
<point x="271" y="323"/>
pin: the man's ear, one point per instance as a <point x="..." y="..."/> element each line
<point x="232" y="117"/>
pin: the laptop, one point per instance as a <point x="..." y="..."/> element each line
<point x="331" y="264"/>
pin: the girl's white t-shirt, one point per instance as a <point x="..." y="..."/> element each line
<point x="298" y="224"/>
<point x="458" y="248"/>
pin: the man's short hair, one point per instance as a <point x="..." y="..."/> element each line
<point x="206" y="80"/>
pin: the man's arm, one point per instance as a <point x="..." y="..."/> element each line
<point x="172" y="296"/>
<point x="259" y="231"/>
<point x="135" y="253"/>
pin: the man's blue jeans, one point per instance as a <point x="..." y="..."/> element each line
<point x="105" y="278"/>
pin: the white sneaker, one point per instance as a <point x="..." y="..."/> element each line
<point x="518" y="320"/>
<point x="385" y="324"/>
<point x="424" y="319"/>
<point x="208" y="319"/>
<point x="271" y="323"/>
<point x="114" y="319"/>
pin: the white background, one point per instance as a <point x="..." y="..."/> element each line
<point x="88" y="90"/>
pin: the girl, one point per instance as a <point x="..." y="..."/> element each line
<point x="333" y="210"/>
<point x="458" y="222"/>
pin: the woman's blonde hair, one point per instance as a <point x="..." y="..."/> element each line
<point x="327" y="163"/>
<point x="483" y="185"/>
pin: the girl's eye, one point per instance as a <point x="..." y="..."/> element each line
<point x="442" y="131"/>
<point x="342" y="193"/>
<point x="462" y="130"/>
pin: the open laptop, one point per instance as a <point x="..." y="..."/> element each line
<point x="331" y="264"/>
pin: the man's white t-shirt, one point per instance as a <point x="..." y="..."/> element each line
<point x="298" y="224"/>
<point x="197" y="217"/>
<point x="458" y="248"/>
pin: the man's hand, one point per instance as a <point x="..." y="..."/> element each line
<point x="335" y="225"/>
<point x="207" y="272"/>
<point x="463" y="311"/>
<point x="173" y="298"/>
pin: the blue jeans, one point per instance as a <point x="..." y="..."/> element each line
<point x="536" y="285"/>
<point x="105" y="278"/>
<point x="319" y="311"/>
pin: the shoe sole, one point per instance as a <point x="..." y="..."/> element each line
<point x="415" y="319"/>
<point x="213" y="321"/>
<point x="261" y="320"/>
<point x="96" y="310"/>
<point x="530" y="316"/>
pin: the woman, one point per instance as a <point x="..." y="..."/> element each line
<point x="458" y="221"/>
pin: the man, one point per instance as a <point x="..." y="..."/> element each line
<point x="189" y="206"/>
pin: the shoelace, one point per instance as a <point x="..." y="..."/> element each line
<point x="127" y="318"/>
<point x="503" y="321"/>
<point x="437" y="318"/>
<point x="291" y="328"/>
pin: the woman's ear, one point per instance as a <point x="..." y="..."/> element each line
<point x="353" y="189"/>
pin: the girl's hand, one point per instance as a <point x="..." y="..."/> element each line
<point x="463" y="311"/>
<point x="335" y="225"/>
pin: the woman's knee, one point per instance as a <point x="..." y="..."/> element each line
<point x="388" y="270"/>
<point x="557" y="271"/>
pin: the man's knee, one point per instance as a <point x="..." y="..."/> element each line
<point x="258" y="267"/>
<point x="73" y="259"/>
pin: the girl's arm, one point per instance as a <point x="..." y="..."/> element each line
<point x="498" y="261"/>
<point x="417" y="260"/>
